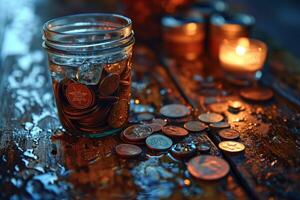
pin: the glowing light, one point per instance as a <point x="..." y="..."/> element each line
<point x="136" y="101"/>
<point x="187" y="182"/>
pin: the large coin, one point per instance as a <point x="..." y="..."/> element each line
<point x="158" y="142"/>
<point x="210" y="117"/>
<point x="118" y="114"/>
<point x="79" y="96"/>
<point x="231" y="146"/>
<point x="109" y="84"/>
<point x="175" y="111"/>
<point x="208" y="167"/>
<point x="128" y="150"/>
<point x="137" y="132"/>
<point x="183" y="150"/>
<point x="195" y="126"/>
<point x="229" y="134"/>
<point x="257" y="94"/>
<point x="219" y="125"/>
<point x="174" y="131"/>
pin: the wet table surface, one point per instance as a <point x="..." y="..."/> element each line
<point x="38" y="161"/>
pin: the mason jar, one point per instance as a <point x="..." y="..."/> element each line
<point x="90" y="65"/>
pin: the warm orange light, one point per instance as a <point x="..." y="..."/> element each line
<point x="187" y="182"/>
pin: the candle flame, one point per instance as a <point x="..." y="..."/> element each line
<point x="243" y="45"/>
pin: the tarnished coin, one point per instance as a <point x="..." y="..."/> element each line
<point x="174" y="131"/>
<point x="155" y="127"/>
<point x="204" y="147"/>
<point x="208" y="167"/>
<point x="175" y="111"/>
<point x="257" y="94"/>
<point x="217" y="107"/>
<point x="231" y="146"/>
<point x="229" y="134"/>
<point x="210" y="117"/>
<point x="79" y="96"/>
<point x="183" y="150"/>
<point x="145" y="116"/>
<point x="158" y="142"/>
<point x="137" y="132"/>
<point x="195" y="126"/>
<point x="109" y="84"/>
<point x="118" y="114"/>
<point x="128" y="150"/>
<point x="162" y="122"/>
<point x="219" y="125"/>
<point x="116" y="68"/>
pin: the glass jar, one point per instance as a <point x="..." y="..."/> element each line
<point x="90" y="65"/>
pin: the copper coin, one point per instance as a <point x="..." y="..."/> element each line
<point x="217" y="107"/>
<point x="118" y="114"/>
<point x="131" y="142"/>
<point x="231" y="146"/>
<point x="210" y="117"/>
<point x="158" y="142"/>
<point x="183" y="149"/>
<point x="79" y="96"/>
<point x="257" y="94"/>
<point x="207" y="167"/>
<point x="128" y="150"/>
<point x="204" y="147"/>
<point x="109" y="84"/>
<point x="174" y="131"/>
<point x="175" y="111"/>
<point x="155" y="127"/>
<point x="162" y="122"/>
<point x="145" y="117"/>
<point x="116" y="68"/>
<point x="195" y="126"/>
<point x="137" y="132"/>
<point x="229" y="134"/>
<point x="219" y="125"/>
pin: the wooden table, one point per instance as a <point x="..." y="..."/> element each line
<point x="39" y="162"/>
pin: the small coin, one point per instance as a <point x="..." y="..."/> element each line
<point x="204" y="147"/>
<point x="137" y="132"/>
<point x="195" y="126"/>
<point x="217" y="107"/>
<point x="158" y="142"/>
<point x="174" y="131"/>
<point x="175" y="111"/>
<point x="162" y="122"/>
<point x="257" y="94"/>
<point x="128" y="150"/>
<point x="155" y="127"/>
<point x="118" y="114"/>
<point x="210" y="117"/>
<point x="229" y="134"/>
<point x="219" y="125"/>
<point x="183" y="149"/>
<point x="79" y="96"/>
<point x="231" y="146"/>
<point x="145" y="117"/>
<point x="109" y="84"/>
<point x="207" y="167"/>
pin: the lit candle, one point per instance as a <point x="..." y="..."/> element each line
<point x="242" y="55"/>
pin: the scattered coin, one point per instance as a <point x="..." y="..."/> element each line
<point x="204" y="147"/>
<point x="217" y="107"/>
<point x="109" y="84"/>
<point x="158" y="142"/>
<point x="257" y="94"/>
<point x="231" y="146"/>
<point x="131" y="142"/>
<point x="128" y="150"/>
<point x="210" y="117"/>
<point x="229" y="134"/>
<point x="79" y="96"/>
<point x="207" y="167"/>
<point x="183" y="150"/>
<point x="174" y="131"/>
<point x="145" y="117"/>
<point x="137" y="132"/>
<point x="155" y="127"/>
<point x="195" y="126"/>
<point x="175" y="111"/>
<point x="219" y="125"/>
<point x="162" y="122"/>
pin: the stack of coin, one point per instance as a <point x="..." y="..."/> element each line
<point x="98" y="108"/>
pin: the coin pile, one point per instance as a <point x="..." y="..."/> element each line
<point x="94" y="109"/>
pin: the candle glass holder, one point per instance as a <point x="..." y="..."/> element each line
<point x="242" y="59"/>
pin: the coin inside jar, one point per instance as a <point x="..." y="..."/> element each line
<point x="128" y="150"/>
<point x="195" y="126"/>
<point x="257" y="94"/>
<point x="79" y="96"/>
<point x="210" y="117"/>
<point x="207" y="167"/>
<point x="158" y="142"/>
<point x="219" y="125"/>
<point x="229" y="134"/>
<point x="204" y="147"/>
<point x="183" y="150"/>
<point x="137" y="132"/>
<point x="174" y="131"/>
<point x="155" y="127"/>
<point x="109" y="84"/>
<point x="175" y="111"/>
<point x="231" y="146"/>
